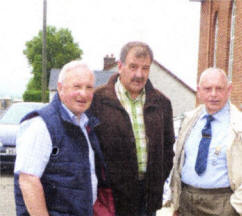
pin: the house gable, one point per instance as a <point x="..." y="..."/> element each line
<point x="182" y="96"/>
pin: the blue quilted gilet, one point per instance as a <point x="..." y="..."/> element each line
<point x="66" y="179"/>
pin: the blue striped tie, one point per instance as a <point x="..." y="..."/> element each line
<point x="202" y="156"/>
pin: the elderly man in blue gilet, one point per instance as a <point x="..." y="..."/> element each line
<point x="56" y="151"/>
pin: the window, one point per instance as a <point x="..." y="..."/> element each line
<point x="231" y="47"/>
<point x="215" y="39"/>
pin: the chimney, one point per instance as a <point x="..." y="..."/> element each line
<point x="109" y="61"/>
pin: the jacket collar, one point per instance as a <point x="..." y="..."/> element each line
<point x="93" y="121"/>
<point x="109" y="96"/>
<point x="235" y="116"/>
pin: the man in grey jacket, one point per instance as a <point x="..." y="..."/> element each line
<point x="206" y="178"/>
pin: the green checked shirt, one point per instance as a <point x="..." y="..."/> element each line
<point x="134" y="108"/>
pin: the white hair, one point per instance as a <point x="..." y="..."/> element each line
<point x="70" y="66"/>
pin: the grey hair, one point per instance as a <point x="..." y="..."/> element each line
<point x="70" y="66"/>
<point x="143" y="50"/>
<point x="214" y="69"/>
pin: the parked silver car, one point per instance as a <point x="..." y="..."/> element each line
<point x="9" y="124"/>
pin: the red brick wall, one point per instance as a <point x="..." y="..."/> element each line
<point x="237" y="67"/>
<point x="223" y="9"/>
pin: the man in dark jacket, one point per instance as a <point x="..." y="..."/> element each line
<point x="56" y="151"/>
<point x="135" y="132"/>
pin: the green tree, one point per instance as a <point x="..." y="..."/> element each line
<point x="61" y="49"/>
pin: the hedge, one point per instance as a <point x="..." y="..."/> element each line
<point x="33" y="95"/>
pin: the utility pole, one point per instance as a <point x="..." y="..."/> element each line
<point x="44" y="58"/>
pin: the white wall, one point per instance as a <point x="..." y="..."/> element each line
<point x="182" y="99"/>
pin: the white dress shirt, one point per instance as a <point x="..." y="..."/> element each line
<point x="216" y="173"/>
<point x="34" y="147"/>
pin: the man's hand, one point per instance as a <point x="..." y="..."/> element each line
<point x="33" y="195"/>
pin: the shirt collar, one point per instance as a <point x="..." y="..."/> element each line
<point x="83" y="118"/>
<point x="220" y="115"/>
<point x="124" y="91"/>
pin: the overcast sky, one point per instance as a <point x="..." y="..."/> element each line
<point x="101" y="27"/>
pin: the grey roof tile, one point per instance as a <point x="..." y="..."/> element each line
<point x="101" y="78"/>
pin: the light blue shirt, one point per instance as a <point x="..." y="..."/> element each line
<point x="34" y="147"/>
<point x="216" y="173"/>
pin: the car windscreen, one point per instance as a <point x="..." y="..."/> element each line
<point x="17" y="111"/>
